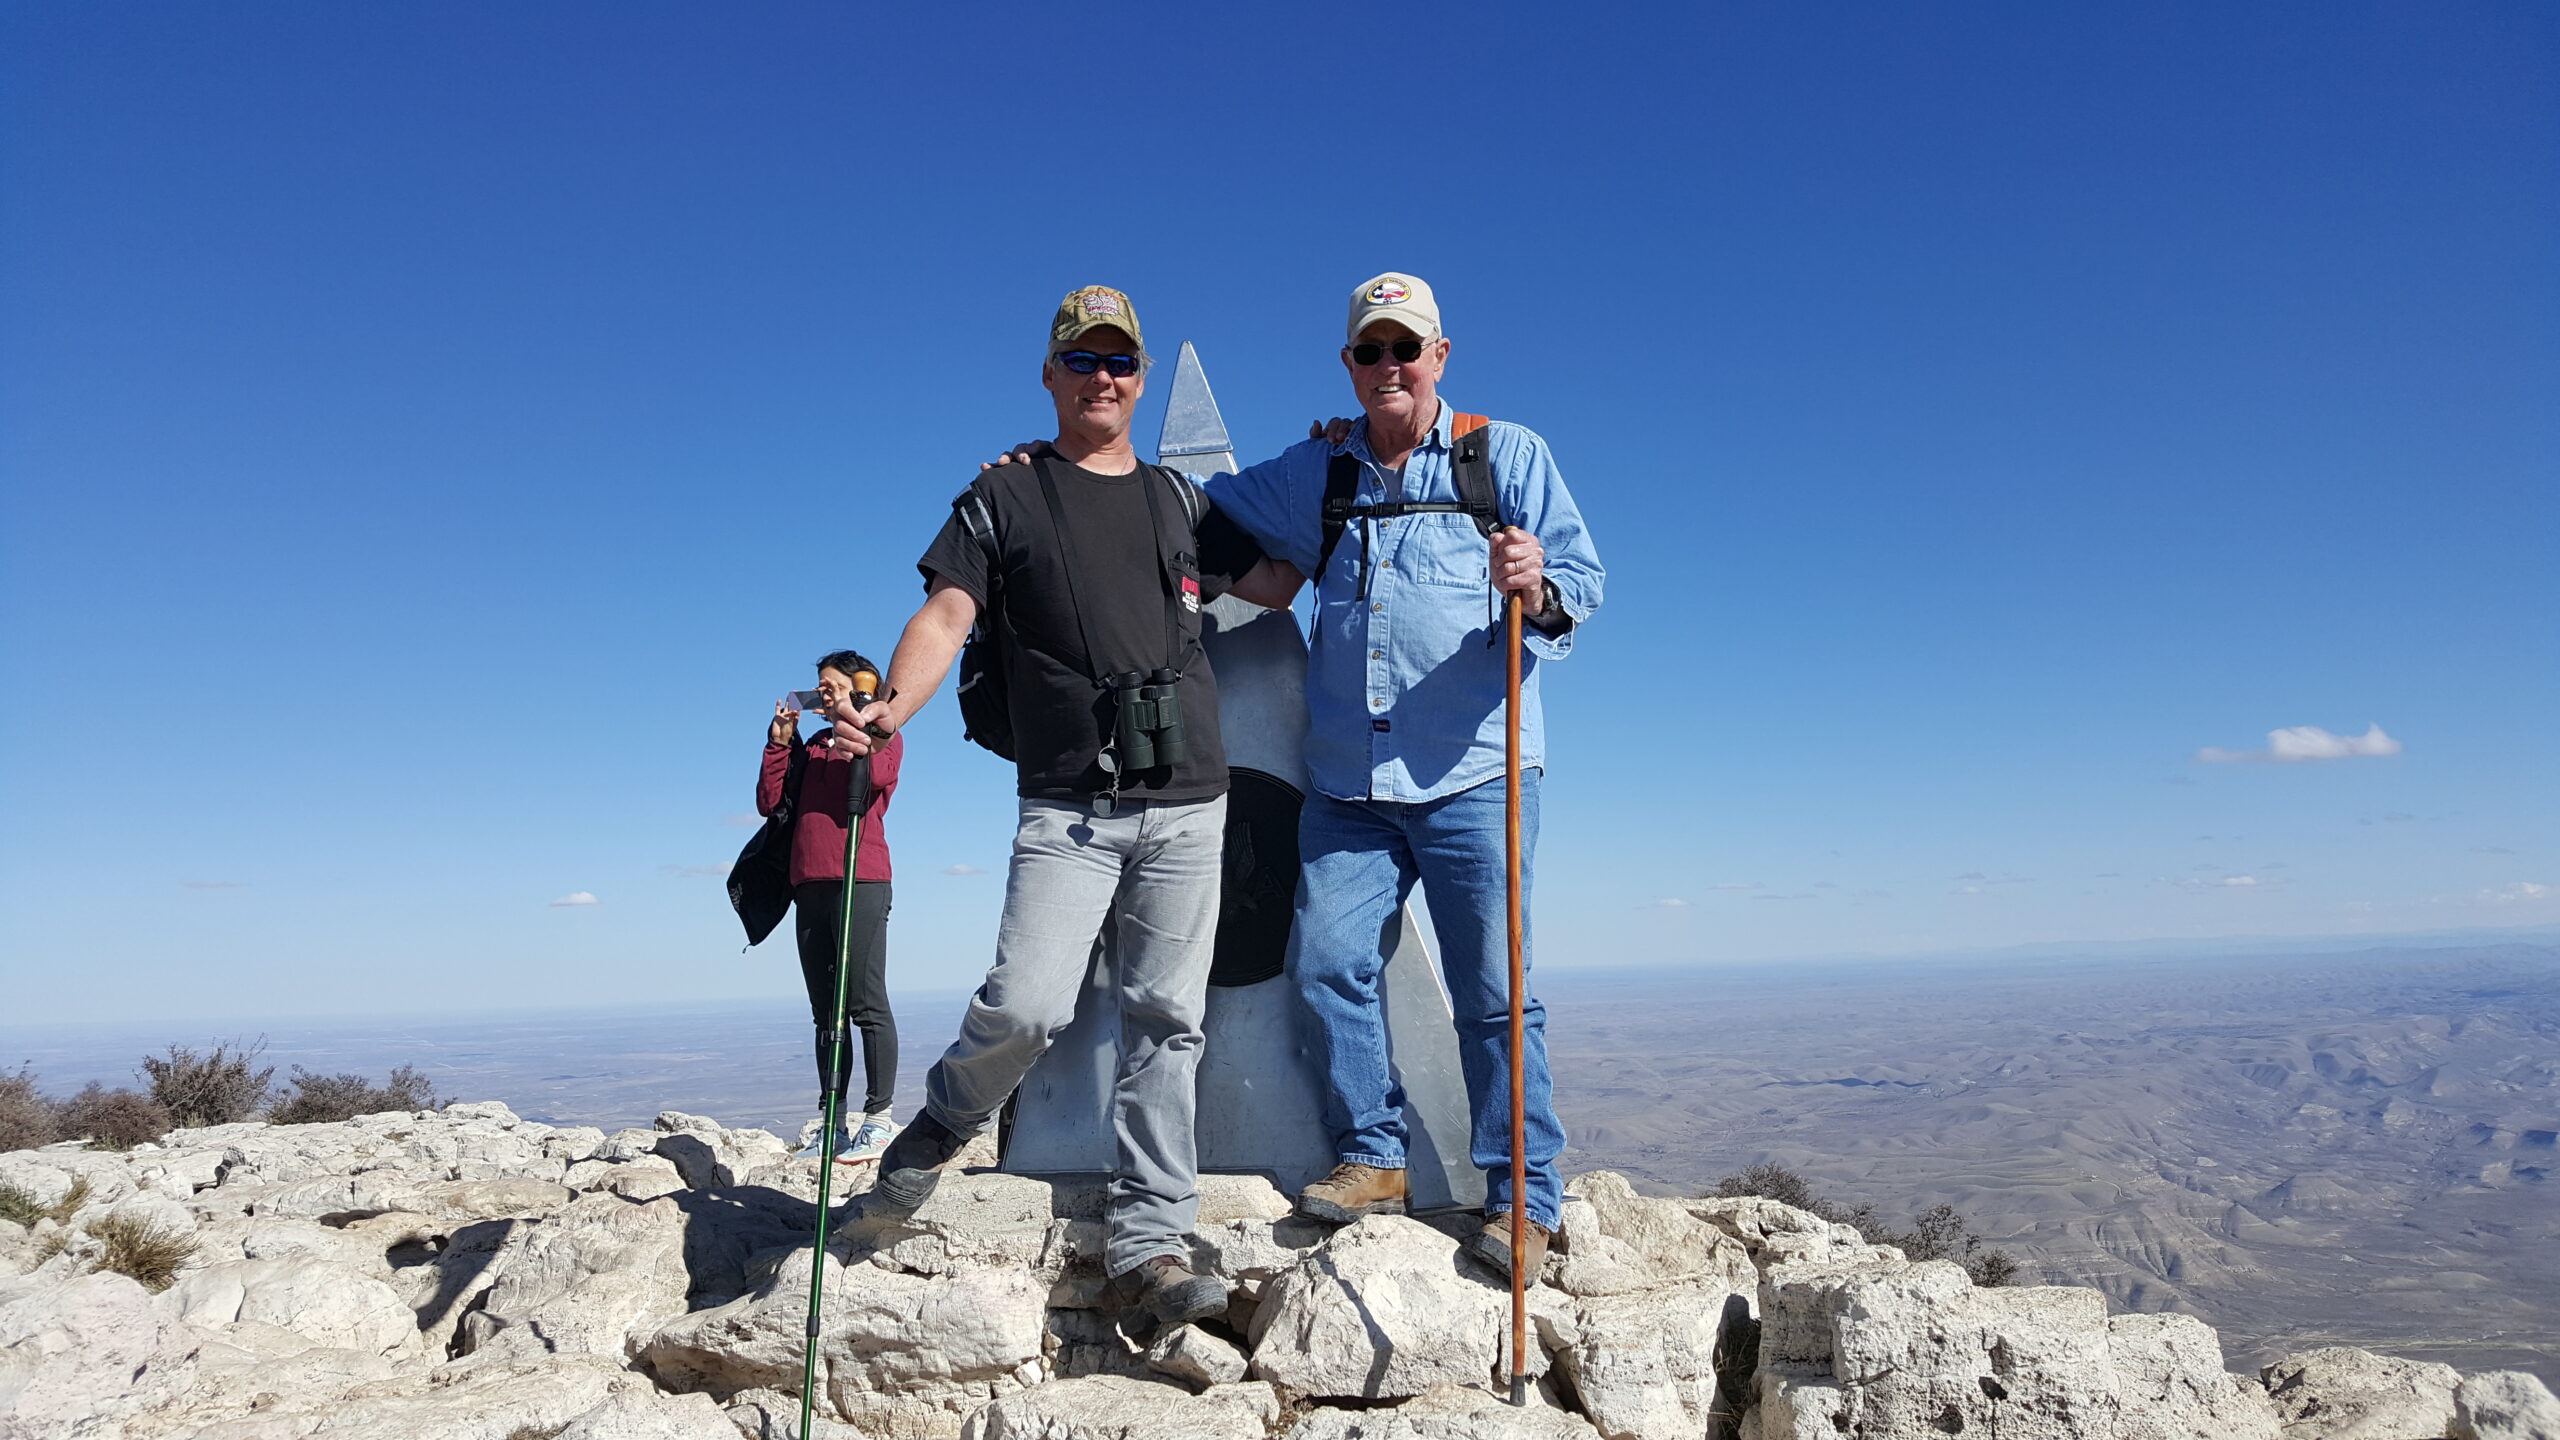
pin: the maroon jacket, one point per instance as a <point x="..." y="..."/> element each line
<point x="817" y="834"/>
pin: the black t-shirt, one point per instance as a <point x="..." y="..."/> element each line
<point x="1060" y="716"/>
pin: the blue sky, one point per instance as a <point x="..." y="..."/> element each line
<point x="432" y="435"/>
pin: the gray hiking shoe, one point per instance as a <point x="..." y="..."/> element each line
<point x="820" y="1147"/>
<point x="1166" y="1289"/>
<point x="912" y="1165"/>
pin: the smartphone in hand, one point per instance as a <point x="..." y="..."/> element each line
<point x="805" y="700"/>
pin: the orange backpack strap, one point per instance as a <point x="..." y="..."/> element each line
<point x="1461" y="423"/>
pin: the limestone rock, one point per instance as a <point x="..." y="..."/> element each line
<point x="772" y="1415"/>
<point x="596" y="1278"/>
<point x="2505" y="1405"/>
<point x="1194" y="1355"/>
<point x="325" y="1302"/>
<point x="573" y="1143"/>
<point x="77" y="1354"/>
<point x="1384" y="1308"/>
<point x="710" y="1157"/>
<point x="1778" y="1234"/>
<point x="1111" y="1407"/>
<point x="1448" y="1413"/>
<point x="641" y="1414"/>
<point x="2342" y="1393"/>
<point x="1643" y="1364"/>
<point x="628" y="1144"/>
<point x="1662" y="1238"/>
<point x="1249" y="1254"/>
<point x="2169" y="1375"/>
<point x="1240" y="1197"/>
<point x="903" y="1355"/>
<point x="494" y="1402"/>
<point x="1916" y="1351"/>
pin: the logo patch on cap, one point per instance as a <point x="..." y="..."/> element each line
<point x="1389" y="292"/>
<point x="1096" y="302"/>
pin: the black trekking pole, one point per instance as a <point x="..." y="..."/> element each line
<point x="831" y="1081"/>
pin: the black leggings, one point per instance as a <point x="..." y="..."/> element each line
<point x="815" y="904"/>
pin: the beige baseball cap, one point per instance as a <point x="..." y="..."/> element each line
<point x="1394" y="296"/>
<point x="1091" y="308"/>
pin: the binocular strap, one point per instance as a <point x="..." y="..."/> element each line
<point x="1108" y="800"/>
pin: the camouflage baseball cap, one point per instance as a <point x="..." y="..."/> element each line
<point x="1091" y="308"/>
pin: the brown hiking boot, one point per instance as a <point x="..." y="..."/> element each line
<point x="1168" y="1291"/>
<point x="1352" y="1191"/>
<point x="1493" y="1246"/>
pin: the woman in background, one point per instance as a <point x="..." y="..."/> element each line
<point x="817" y="898"/>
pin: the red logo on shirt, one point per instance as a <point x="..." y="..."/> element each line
<point x="1190" y="594"/>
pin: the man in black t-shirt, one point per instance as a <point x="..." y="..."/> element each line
<point x="1096" y="565"/>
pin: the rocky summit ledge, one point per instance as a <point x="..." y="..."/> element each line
<point x="463" y="1274"/>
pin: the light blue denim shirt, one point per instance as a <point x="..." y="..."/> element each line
<point x="1404" y="694"/>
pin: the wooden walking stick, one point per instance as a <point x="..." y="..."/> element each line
<point x="1519" y="1026"/>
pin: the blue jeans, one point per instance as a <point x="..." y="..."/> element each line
<point x="1361" y="858"/>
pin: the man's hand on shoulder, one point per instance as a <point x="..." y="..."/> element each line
<point x="1018" y="455"/>
<point x="1332" y="432"/>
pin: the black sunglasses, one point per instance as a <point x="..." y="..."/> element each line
<point x="1085" y="362"/>
<point x="1368" y="352"/>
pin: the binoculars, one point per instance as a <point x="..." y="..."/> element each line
<point x="1148" y="725"/>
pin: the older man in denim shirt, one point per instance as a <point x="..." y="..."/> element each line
<point x="1405" y="741"/>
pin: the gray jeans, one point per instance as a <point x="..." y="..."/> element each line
<point x="1151" y="873"/>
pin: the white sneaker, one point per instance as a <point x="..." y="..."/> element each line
<point x="868" y="1141"/>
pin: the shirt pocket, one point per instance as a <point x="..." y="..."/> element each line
<point x="1446" y="550"/>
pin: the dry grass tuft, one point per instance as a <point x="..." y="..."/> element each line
<point x="19" y="1204"/>
<point x="142" y="1250"/>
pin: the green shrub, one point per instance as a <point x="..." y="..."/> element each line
<point x="141" y="1249"/>
<point x="217" y="1087"/>
<point x="17" y="1203"/>
<point x="27" y="1119"/>
<point x="320" y="1098"/>
<point x="1939" y="1233"/>
<point x="113" y="1119"/>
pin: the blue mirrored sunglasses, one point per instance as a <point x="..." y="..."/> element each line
<point x="1085" y="362"/>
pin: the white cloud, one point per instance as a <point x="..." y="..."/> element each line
<point x="688" y="872"/>
<point x="1735" y="886"/>
<point x="575" y="897"/>
<point x="2523" y="892"/>
<point x="1669" y="902"/>
<point x="742" y="822"/>
<point x="962" y="869"/>
<point x="2296" y="743"/>
<point x="2206" y="884"/>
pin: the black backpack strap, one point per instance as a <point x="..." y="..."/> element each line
<point x="1471" y="466"/>
<point x="1341" y="482"/>
<point x="979" y="520"/>
<point x="1194" y="502"/>
<point x="795" y="770"/>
